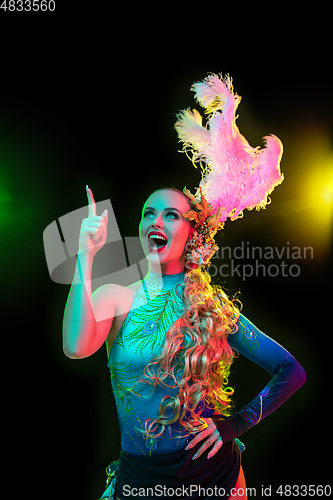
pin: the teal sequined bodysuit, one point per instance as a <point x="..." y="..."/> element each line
<point x="157" y="305"/>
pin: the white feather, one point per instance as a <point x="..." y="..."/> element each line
<point x="235" y="176"/>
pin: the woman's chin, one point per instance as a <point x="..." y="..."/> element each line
<point x="159" y="254"/>
<point x="155" y="258"/>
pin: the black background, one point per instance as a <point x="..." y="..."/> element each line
<point x="89" y="96"/>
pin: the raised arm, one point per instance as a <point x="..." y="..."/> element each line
<point x="287" y="377"/>
<point x="83" y="330"/>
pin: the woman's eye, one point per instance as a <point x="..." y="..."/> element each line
<point x="173" y="215"/>
<point x="170" y="215"/>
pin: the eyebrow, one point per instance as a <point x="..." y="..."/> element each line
<point x="166" y="208"/>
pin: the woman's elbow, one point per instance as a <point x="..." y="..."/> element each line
<point x="70" y="354"/>
<point x="73" y="352"/>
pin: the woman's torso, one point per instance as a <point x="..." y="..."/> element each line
<point x="137" y="338"/>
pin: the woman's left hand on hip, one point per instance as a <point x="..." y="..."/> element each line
<point x="213" y="438"/>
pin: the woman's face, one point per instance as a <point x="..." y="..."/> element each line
<point x="164" y="231"/>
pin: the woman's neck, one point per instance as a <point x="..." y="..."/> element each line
<point x="173" y="267"/>
<point x="164" y="281"/>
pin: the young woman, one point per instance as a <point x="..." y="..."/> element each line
<point x="171" y="339"/>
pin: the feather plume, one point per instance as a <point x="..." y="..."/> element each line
<point x="235" y="176"/>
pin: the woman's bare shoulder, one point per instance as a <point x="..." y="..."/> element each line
<point x="115" y="289"/>
<point x="119" y="295"/>
<point x="135" y="287"/>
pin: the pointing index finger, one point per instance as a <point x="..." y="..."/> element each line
<point x="91" y="202"/>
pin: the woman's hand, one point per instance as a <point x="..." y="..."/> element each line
<point x="93" y="229"/>
<point x="213" y="436"/>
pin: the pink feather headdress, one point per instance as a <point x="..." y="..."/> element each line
<point x="235" y="176"/>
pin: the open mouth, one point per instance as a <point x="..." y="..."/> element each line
<point x="157" y="241"/>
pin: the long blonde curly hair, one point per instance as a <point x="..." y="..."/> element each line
<point x="196" y="356"/>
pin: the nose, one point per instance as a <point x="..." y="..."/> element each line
<point x="158" y="222"/>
